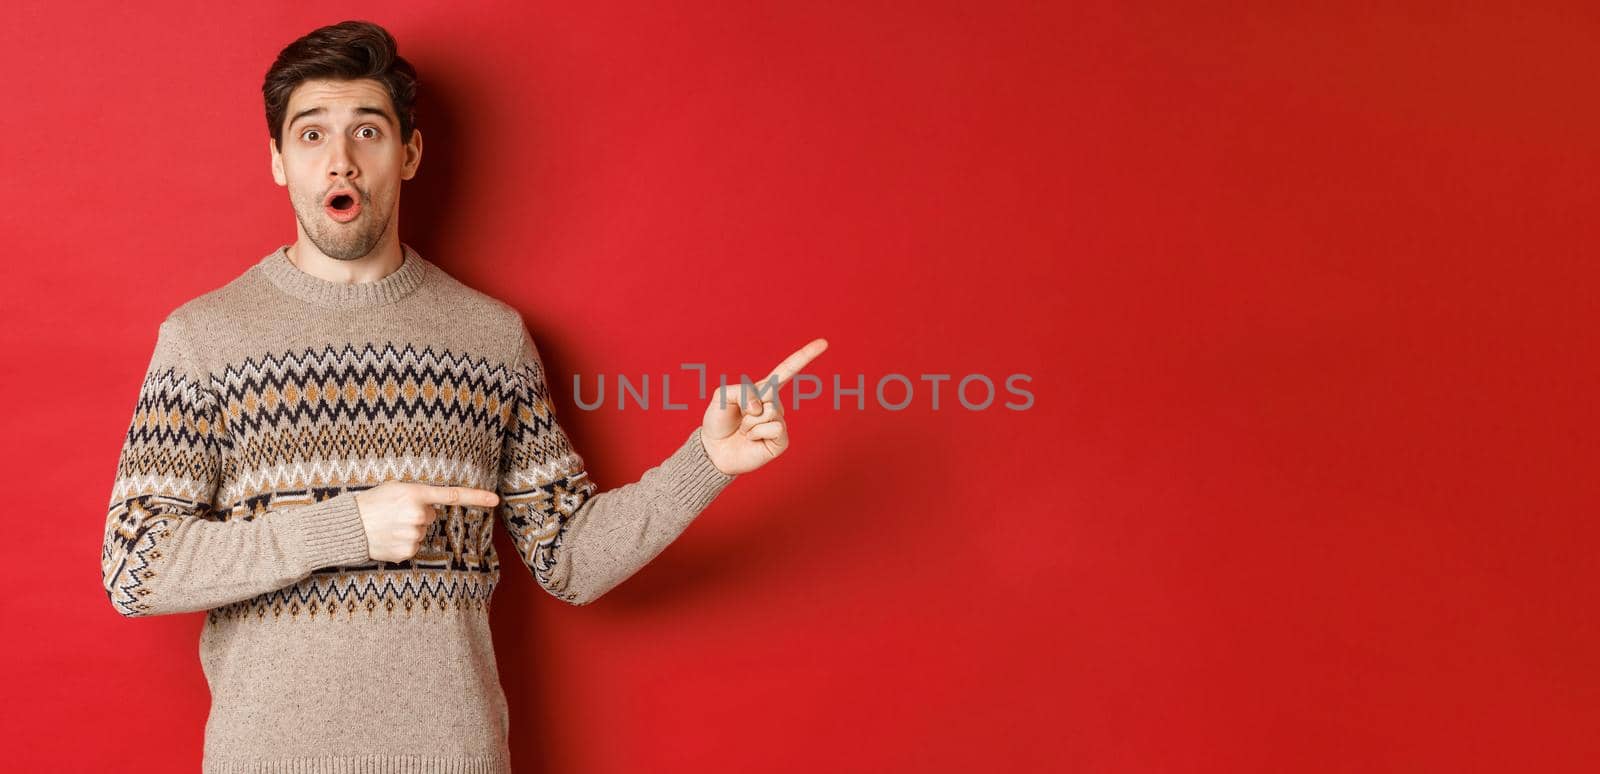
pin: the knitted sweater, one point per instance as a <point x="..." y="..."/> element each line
<point x="268" y="404"/>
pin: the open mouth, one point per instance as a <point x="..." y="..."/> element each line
<point x="342" y="207"/>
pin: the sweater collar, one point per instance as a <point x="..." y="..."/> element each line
<point x="339" y="295"/>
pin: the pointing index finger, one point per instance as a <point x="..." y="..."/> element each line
<point x="459" y="495"/>
<point x="792" y="364"/>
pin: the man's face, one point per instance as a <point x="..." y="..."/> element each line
<point x="344" y="136"/>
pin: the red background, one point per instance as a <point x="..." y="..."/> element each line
<point x="1307" y="297"/>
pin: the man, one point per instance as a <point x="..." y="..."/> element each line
<point x="320" y="447"/>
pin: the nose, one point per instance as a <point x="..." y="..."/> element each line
<point x="341" y="162"/>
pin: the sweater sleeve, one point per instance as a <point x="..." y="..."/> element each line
<point x="579" y="542"/>
<point x="167" y="548"/>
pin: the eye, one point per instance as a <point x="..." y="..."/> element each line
<point x="365" y="128"/>
<point x="304" y="134"/>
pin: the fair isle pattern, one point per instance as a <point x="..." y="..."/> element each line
<point x="169" y="458"/>
<point x="345" y="414"/>
<point x="543" y="480"/>
<point x="295" y="428"/>
<point x="342" y="593"/>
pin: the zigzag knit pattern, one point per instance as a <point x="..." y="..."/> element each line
<point x="294" y="428"/>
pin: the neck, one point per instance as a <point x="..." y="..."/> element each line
<point x="384" y="259"/>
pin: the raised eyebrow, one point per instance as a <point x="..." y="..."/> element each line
<point x="365" y="110"/>
<point x="379" y="112"/>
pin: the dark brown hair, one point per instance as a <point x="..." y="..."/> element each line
<point x="348" y="50"/>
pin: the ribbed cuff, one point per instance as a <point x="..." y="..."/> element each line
<point x="693" y="481"/>
<point x="370" y="763"/>
<point x="327" y="534"/>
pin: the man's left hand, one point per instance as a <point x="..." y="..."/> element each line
<point x="744" y="428"/>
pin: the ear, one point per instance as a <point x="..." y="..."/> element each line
<point x="413" y="155"/>
<point x="277" y="163"/>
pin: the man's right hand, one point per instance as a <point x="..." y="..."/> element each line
<point x="398" y="513"/>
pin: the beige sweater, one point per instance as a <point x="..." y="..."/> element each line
<point x="268" y="403"/>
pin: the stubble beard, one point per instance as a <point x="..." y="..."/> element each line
<point x="342" y="241"/>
